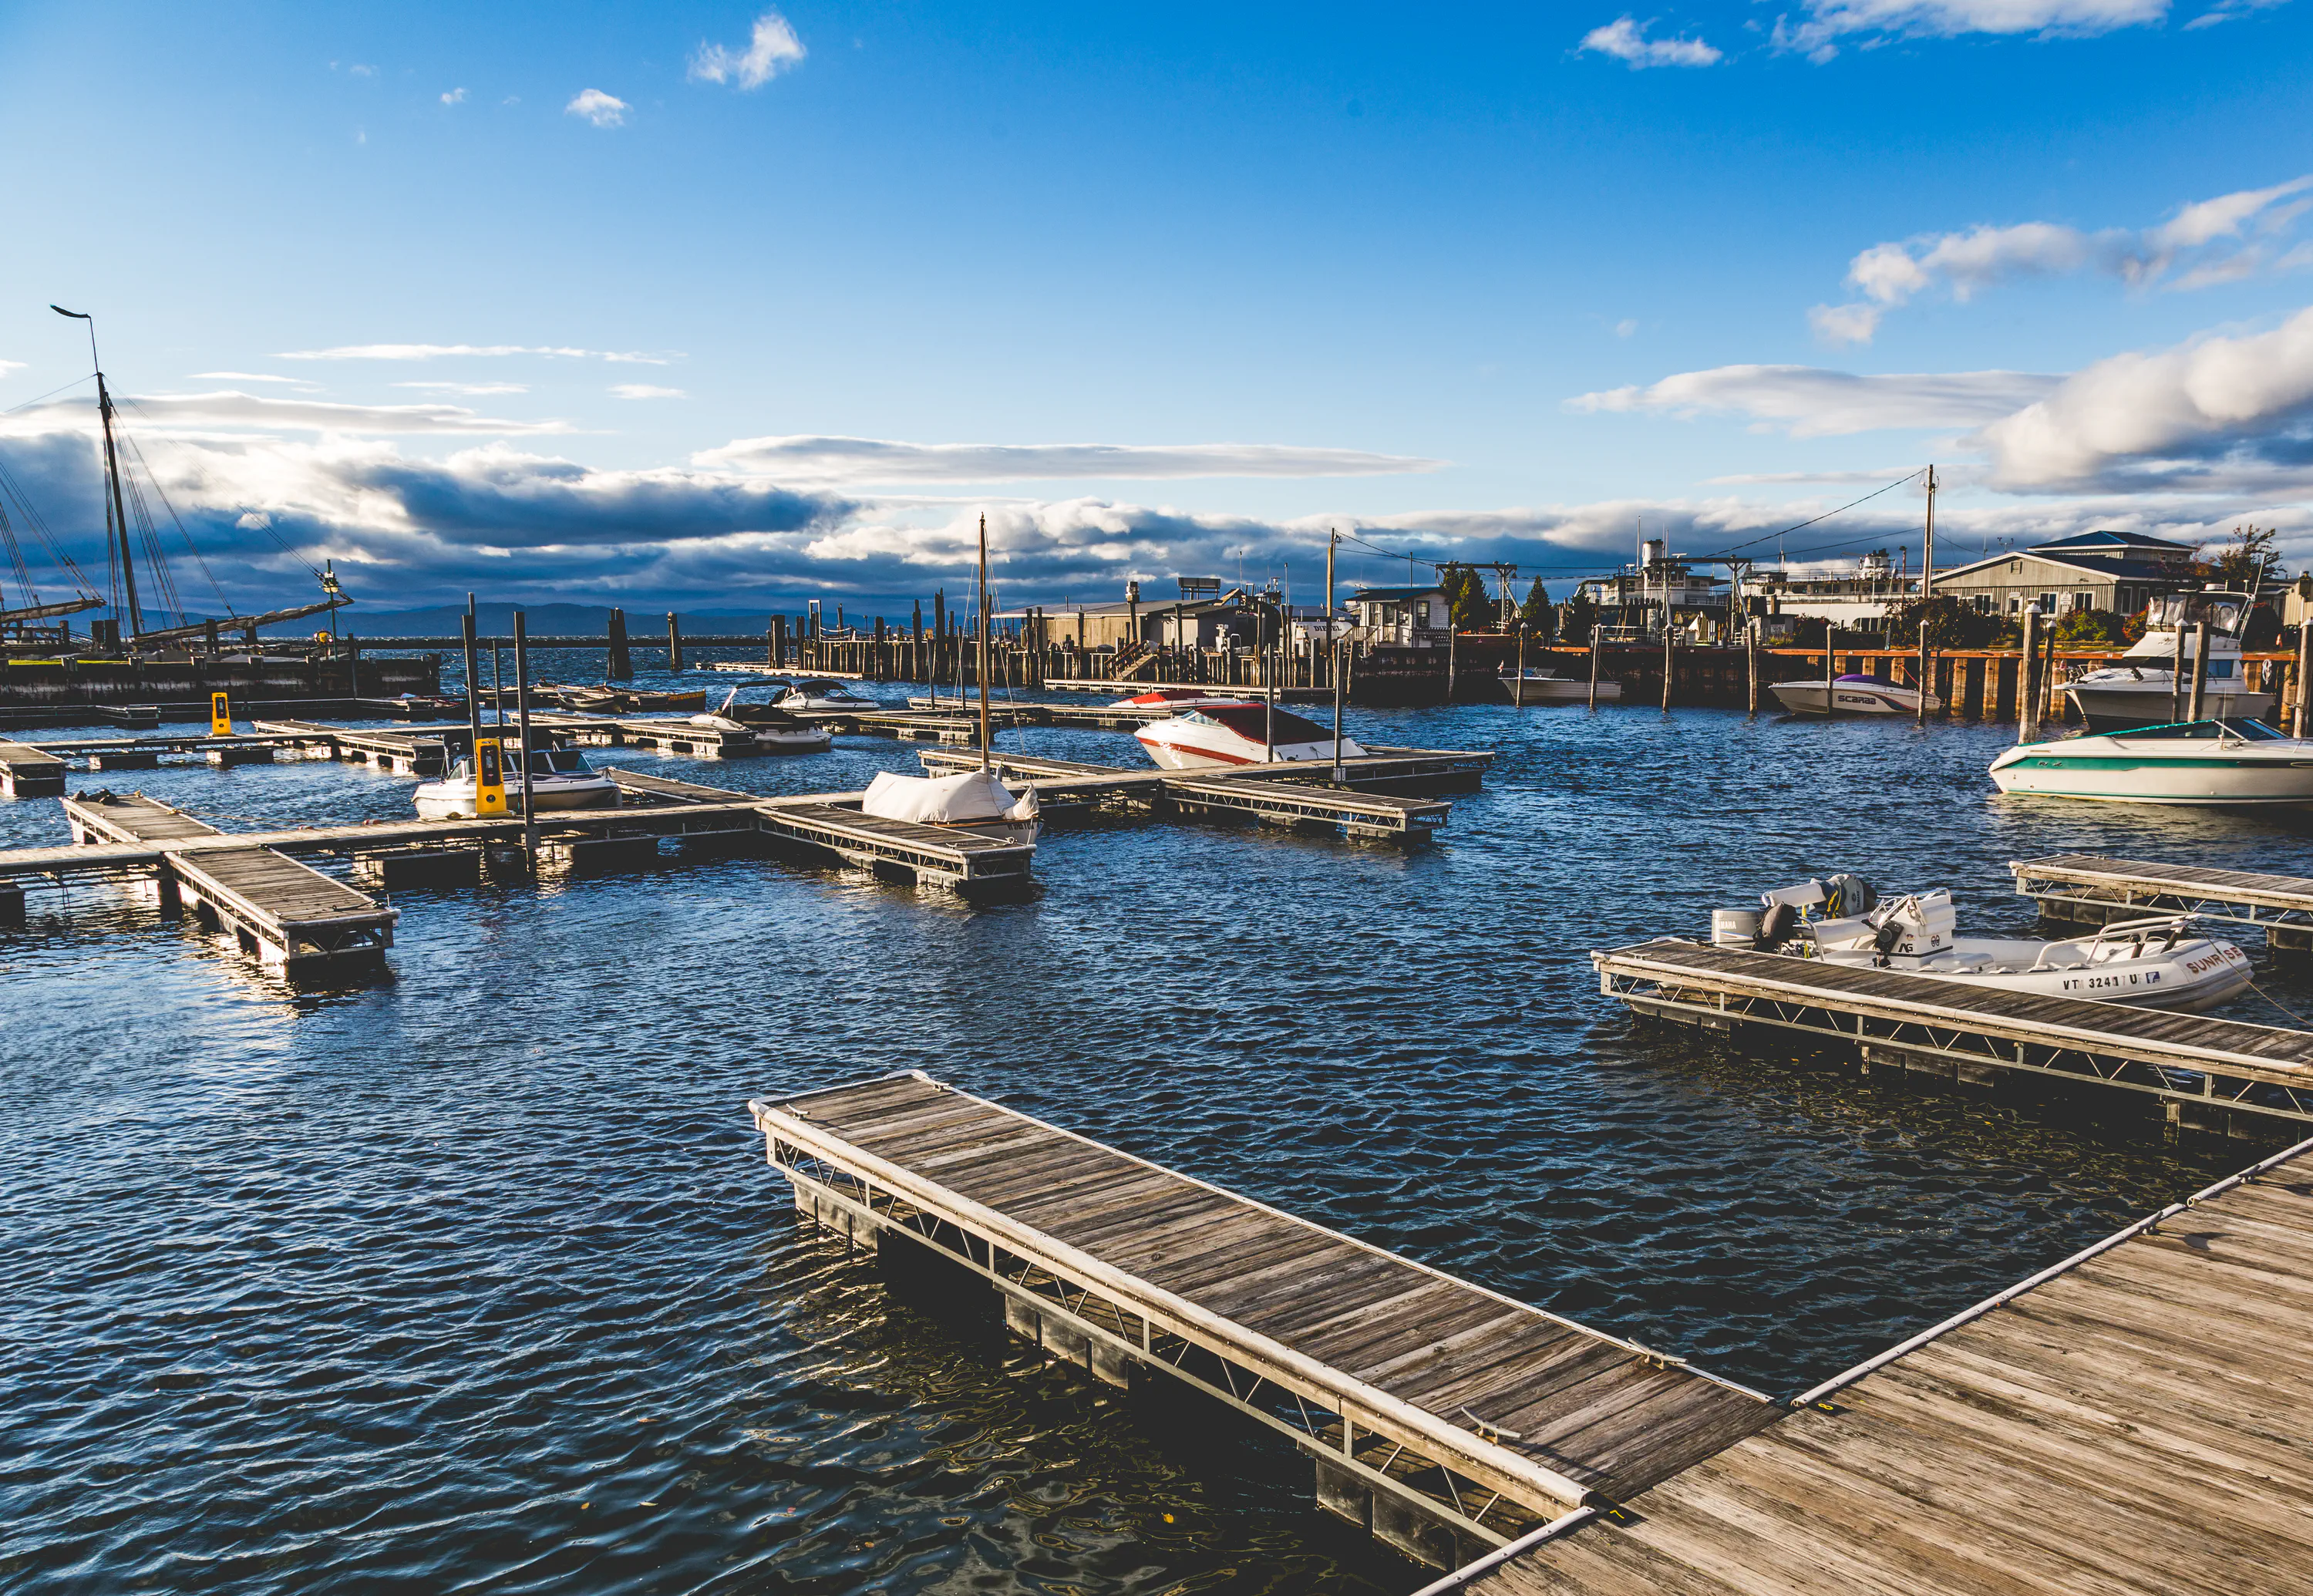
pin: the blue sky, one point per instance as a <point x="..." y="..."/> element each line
<point x="717" y="304"/>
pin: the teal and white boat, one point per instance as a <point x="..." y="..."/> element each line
<point x="2232" y="763"/>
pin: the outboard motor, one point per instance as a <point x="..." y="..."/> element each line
<point x="1775" y="927"/>
<point x="1845" y="896"/>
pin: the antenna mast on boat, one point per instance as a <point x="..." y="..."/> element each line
<point x="983" y="640"/>
<point x="116" y="513"/>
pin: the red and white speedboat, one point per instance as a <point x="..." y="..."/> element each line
<point x="1221" y="732"/>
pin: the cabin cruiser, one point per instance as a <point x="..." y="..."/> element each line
<point x="1856" y="694"/>
<point x="2158" y="962"/>
<point x="559" y="778"/>
<point x="1219" y="733"/>
<point x="817" y="692"/>
<point x="607" y="699"/>
<point x="971" y="800"/>
<point x="2223" y="763"/>
<point x="774" y="729"/>
<point x="2140" y="689"/>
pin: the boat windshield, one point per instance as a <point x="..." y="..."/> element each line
<point x="2255" y="731"/>
<point x="559" y="762"/>
<point x="2188" y="729"/>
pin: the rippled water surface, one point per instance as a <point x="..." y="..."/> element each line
<point x="473" y="1277"/>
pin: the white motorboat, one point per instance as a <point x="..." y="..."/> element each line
<point x="1540" y="685"/>
<point x="559" y="778"/>
<point x="971" y="800"/>
<point x="2222" y="763"/>
<point x="1171" y="697"/>
<point x="774" y="729"/>
<point x="1234" y="732"/>
<point x="2140" y="689"/>
<point x="1855" y="694"/>
<point x="817" y="692"/>
<point x="2159" y="962"/>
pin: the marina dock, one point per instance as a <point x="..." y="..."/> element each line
<point x="2129" y="1422"/>
<point x="2090" y="889"/>
<point x="285" y="913"/>
<point x="1443" y="1417"/>
<point x="2218" y="1075"/>
<point x="31" y="773"/>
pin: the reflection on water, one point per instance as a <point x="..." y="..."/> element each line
<point x="474" y="1276"/>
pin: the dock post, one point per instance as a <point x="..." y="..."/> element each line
<point x="473" y="692"/>
<point x="1594" y="664"/>
<point x="673" y="641"/>
<point x="619" y="665"/>
<point x="1670" y="658"/>
<point x="1751" y="663"/>
<point x="2304" y="667"/>
<point x="522" y="713"/>
<point x="2200" y="671"/>
<point x="2028" y="678"/>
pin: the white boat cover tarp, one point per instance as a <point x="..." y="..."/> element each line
<point x="945" y="800"/>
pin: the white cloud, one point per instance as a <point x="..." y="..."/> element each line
<point x="604" y="110"/>
<point x="1809" y="402"/>
<point x="467" y="390"/>
<point x="254" y="376"/>
<point x="178" y="412"/>
<point x="360" y="71"/>
<point x="773" y="48"/>
<point x="2225" y="412"/>
<point x="646" y="390"/>
<point x="454" y="97"/>
<point x="818" y="458"/>
<point x="8" y="365"/>
<point x="1867" y="23"/>
<point x="1626" y="42"/>
<point x="2205" y="243"/>
<point x="1626" y="327"/>
<point x="436" y="351"/>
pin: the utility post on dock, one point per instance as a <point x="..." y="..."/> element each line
<point x="1594" y="663"/>
<point x="1751" y="661"/>
<point x="2200" y="670"/>
<point x="2027" y="700"/>
<point x="522" y="714"/>
<point x="673" y="642"/>
<point x="1670" y="658"/>
<point x="2304" y="651"/>
<point x="982" y="671"/>
<point x="473" y="692"/>
<point x="1927" y="591"/>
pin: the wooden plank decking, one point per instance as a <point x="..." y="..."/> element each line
<point x="2091" y="887"/>
<point x="2134" y="1423"/>
<point x="1139" y="1263"/>
<point x="1910" y="1020"/>
<point x="30" y="772"/>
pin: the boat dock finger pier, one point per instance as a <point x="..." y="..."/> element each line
<point x="2218" y="1075"/>
<point x="1443" y="1417"/>
<point x="2129" y="1422"/>
<point x="285" y="913"/>
<point x="2088" y="889"/>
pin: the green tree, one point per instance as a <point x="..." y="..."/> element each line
<point x="1576" y="617"/>
<point x="2251" y="561"/>
<point x="2087" y="628"/>
<point x="1541" y="619"/>
<point x="1951" y="624"/>
<point x="1473" y="606"/>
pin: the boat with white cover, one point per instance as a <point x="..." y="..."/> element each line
<point x="559" y="778"/>
<point x="1850" y="694"/>
<point x="2139" y="689"/>
<point x="1223" y="733"/>
<point x="2159" y="962"/>
<point x="1540" y="685"/>
<point x="971" y="800"/>
<point x="817" y="692"/>
<point x="2225" y="763"/>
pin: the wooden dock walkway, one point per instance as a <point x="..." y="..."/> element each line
<point x="1443" y="1416"/>
<point x="2087" y="888"/>
<point x="1262" y="793"/>
<point x="26" y="771"/>
<point x="285" y="913"/>
<point x="2207" y="1072"/>
<point x="2131" y="1422"/>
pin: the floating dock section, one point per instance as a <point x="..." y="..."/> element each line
<point x="2209" y="1074"/>
<point x="2088" y="889"/>
<point x="1443" y="1417"/>
<point x="285" y="913"/>
<point x="2129" y="1422"/>
<point x="31" y="773"/>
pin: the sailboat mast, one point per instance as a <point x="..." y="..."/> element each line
<point x="118" y="513"/>
<point x="983" y="642"/>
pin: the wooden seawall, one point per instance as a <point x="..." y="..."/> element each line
<point x="2132" y="1422"/>
<point x="1443" y="1416"/>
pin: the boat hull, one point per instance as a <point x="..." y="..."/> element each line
<point x="452" y="799"/>
<point x="2207" y="779"/>
<point x="1177" y="753"/>
<point x="1557" y="689"/>
<point x="2195" y="975"/>
<point x="2120" y="705"/>
<point x="1809" y="698"/>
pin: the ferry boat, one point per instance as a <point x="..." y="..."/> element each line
<point x="2226" y="763"/>
<point x="2140" y="689"/>
<point x="559" y="778"/>
<point x="1855" y="694"/>
<point x="1221" y="733"/>
<point x="2158" y="962"/>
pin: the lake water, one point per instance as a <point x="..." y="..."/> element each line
<point x="473" y="1277"/>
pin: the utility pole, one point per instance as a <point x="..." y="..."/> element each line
<point x="521" y="712"/>
<point x="1927" y="591"/>
<point x="983" y="642"/>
